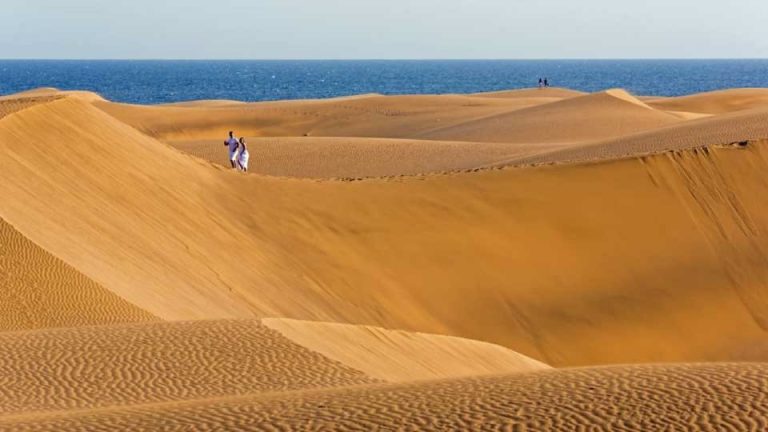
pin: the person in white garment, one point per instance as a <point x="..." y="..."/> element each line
<point x="233" y="145"/>
<point x="242" y="160"/>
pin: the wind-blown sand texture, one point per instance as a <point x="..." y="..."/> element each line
<point x="725" y="397"/>
<point x="401" y="262"/>
<point x="40" y="291"/>
<point x="107" y="366"/>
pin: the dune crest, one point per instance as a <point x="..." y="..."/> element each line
<point x="717" y="102"/>
<point x="546" y="92"/>
<point x="371" y="116"/>
<point x="52" y="92"/>
<point x="594" y="116"/>
<point x="625" y="96"/>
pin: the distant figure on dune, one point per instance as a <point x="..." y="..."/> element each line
<point x="244" y="155"/>
<point x="233" y="145"/>
<point x="546" y="82"/>
<point x="541" y="82"/>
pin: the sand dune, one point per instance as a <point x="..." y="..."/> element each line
<point x="41" y="92"/>
<point x="127" y="254"/>
<point x="131" y="364"/>
<point x="334" y="157"/>
<point x="10" y="106"/>
<point x="547" y="92"/>
<point x="51" y="92"/>
<point x="727" y="397"/>
<point x="726" y="129"/>
<point x="717" y="102"/>
<point x="397" y="356"/>
<point x="210" y="103"/>
<point x="495" y="233"/>
<point x="371" y="116"/>
<point x="596" y="116"/>
<point x="415" y="253"/>
<point x="449" y="118"/>
<point x="40" y="291"/>
<point x="104" y="367"/>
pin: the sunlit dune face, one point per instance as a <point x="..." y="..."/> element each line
<point x="441" y="261"/>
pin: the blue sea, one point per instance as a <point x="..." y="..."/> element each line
<point x="150" y="81"/>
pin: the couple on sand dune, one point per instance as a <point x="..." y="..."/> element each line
<point x="238" y="152"/>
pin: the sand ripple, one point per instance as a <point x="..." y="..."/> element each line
<point x="91" y="367"/>
<point x="720" y="397"/>
<point x="10" y="106"/>
<point x="38" y="290"/>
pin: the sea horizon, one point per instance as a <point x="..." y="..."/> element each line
<point x="153" y="81"/>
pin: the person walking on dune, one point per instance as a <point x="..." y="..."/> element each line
<point x="242" y="160"/>
<point x="233" y="145"/>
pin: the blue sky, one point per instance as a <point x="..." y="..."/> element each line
<point x="399" y="29"/>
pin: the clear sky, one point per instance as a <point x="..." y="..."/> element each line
<point x="368" y="29"/>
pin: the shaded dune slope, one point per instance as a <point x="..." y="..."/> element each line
<point x="41" y="291"/>
<point x="118" y="209"/>
<point x="728" y="397"/>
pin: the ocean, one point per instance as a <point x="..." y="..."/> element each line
<point x="161" y="81"/>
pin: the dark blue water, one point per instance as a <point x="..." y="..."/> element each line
<point x="168" y="81"/>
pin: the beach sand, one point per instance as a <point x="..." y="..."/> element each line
<point x="522" y="260"/>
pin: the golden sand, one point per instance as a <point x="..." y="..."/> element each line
<point x="41" y="291"/>
<point x="404" y="248"/>
<point x="722" y="397"/>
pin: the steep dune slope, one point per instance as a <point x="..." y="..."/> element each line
<point x="570" y="265"/>
<point x="398" y="356"/>
<point x="107" y="203"/>
<point x="595" y="116"/>
<point x="729" y="397"/>
<point x="37" y="290"/>
<point x="420" y="260"/>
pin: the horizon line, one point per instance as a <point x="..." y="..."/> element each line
<point x="386" y="59"/>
